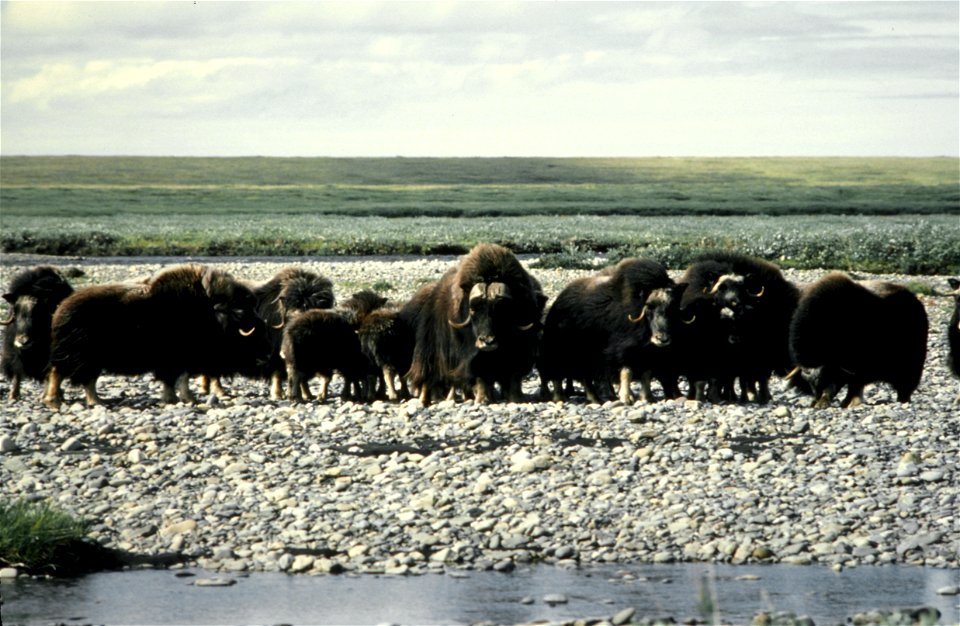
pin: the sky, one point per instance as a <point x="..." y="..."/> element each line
<point x="562" y="79"/>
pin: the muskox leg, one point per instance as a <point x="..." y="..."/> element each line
<point x="513" y="390"/>
<point x="324" y="385"/>
<point x="763" y="391"/>
<point x="854" y="396"/>
<point x="481" y="392"/>
<point x="14" y="388"/>
<point x="295" y="385"/>
<point x="389" y="385"/>
<point x="424" y="394"/>
<point x="183" y="390"/>
<point x="593" y="397"/>
<point x="53" y="397"/>
<point x="646" y="394"/>
<point x="276" y="386"/>
<point x="626" y="377"/>
<point x="90" y="393"/>
<point x="216" y="387"/>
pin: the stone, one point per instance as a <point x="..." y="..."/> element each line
<point x="72" y="444"/>
<point x="7" y="444"/>
<point x="179" y="528"/>
<point x="623" y="617"/>
<point x="9" y="572"/>
<point x="214" y="582"/>
<point x="555" y="598"/>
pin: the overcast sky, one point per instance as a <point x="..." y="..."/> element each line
<point x="481" y="78"/>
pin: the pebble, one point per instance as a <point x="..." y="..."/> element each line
<point x="8" y="444"/>
<point x="405" y="489"/>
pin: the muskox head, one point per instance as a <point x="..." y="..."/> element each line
<point x="33" y="296"/>
<point x="304" y="291"/>
<point x="490" y="311"/>
<point x="737" y="294"/>
<point x="661" y="314"/>
<point x="234" y="306"/>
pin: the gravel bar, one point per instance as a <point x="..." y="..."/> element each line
<point x="250" y="484"/>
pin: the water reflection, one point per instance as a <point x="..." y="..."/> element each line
<point x="161" y="597"/>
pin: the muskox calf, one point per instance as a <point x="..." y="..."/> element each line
<point x="476" y="327"/>
<point x="953" y="331"/>
<point x="387" y="339"/>
<point x="33" y="295"/>
<point x="185" y="320"/>
<point x="743" y="307"/>
<point x="599" y="329"/>
<point x="320" y="342"/>
<point x="854" y="333"/>
<point x="291" y="291"/>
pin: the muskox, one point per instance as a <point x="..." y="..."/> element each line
<point x="476" y="327"/>
<point x="320" y="342"/>
<point x="291" y="291"/>
<point x="185" y="320"/>
<point x="740" y="309"/>
<point x="854" y="333"/>
<point x="599" y="329"/>
<point x="33" y="295"/>
<point x="953" y="331"/>
<point x="387" y="339"/>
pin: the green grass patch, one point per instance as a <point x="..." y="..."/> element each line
<point x="37" y="537"/>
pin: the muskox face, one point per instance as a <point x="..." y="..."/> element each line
<point x="23" y="322"/>
<point x="491" y="313"/>
<point x="661" y="313"/>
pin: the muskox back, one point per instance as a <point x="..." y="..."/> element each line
<point x="189" y="319"/>
<point x="476" y="327"/>
<point x="854" y="333"/>
<point x="34" y="295"/>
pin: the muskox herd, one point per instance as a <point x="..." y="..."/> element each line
<point x="724" y="329"/>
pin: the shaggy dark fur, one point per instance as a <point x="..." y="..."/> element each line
<point x="476" y="327"/>
<point x="320" y="342"/>
<point x="742" y="326"/>
<point x="387" y="339"/>
<point x="33" y="295"/>
<point x="291" y="291"/>
<point x="188" y="319"/>
<point x="588" y="335"/>
<point x="851" y="333"/>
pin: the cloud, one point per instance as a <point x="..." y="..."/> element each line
<point x="477" y="77"/>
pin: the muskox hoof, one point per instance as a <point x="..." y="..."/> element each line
<point x="822" y="402"/>
<point x="852" y="402"/>
<point x="53" y="403"/>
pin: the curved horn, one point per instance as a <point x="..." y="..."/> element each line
<point x="9" y="320"/>
<point x="459" y="325"/>
<point x="759" y="293"/>
<point x="278" y="326"/>
<point x="792" y="373"/>
<point x="689" y="321"/>
<point x="639" y="318"/>
<point x="525" y="326"/>
<point x="247" y="333"/>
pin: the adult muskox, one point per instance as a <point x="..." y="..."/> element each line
<point x="184" y="320"/>
<point x="743" y="307"/>
<point x="476" y="327"/>
<point x="854" y="333"/>
<point x="33" y="296"/>
<point x="599" y="329"/>
<point x="290" y="292"/>
<point x="953" y="331"/>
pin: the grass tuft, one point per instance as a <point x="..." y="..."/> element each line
<point x="36" y="536"/>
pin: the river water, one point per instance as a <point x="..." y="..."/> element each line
<point x="737" y="593"/>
